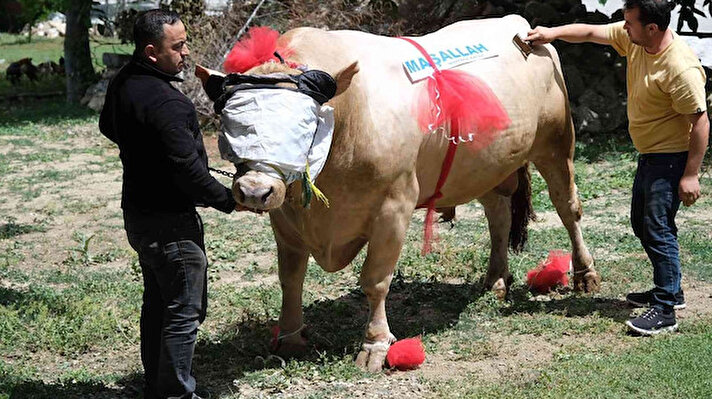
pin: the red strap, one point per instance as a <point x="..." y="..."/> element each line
<point x="422" y="51"/>
<point x="445" y="168"/>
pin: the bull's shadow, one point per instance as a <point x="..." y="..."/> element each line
<point x="570" y="306"/>
<point x="335" y="328"/>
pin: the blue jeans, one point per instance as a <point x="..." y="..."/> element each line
<point x="653" y="208"/>
<point x="171" y="253"/>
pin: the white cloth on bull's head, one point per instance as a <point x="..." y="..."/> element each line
<point x="274" y="128"/>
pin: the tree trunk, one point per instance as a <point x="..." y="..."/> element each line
<point x="77" y="57"/>
<point x="29" y="32"/>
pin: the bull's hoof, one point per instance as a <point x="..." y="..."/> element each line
<point x="289" y="350"/>
<point x="499" y="289"/>
<point x="588" y="282"/>
<point x="289" y="345"/>
<point x="373" y="355"/>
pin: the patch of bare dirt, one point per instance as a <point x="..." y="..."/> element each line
<point x="261" y="276"/>
<point x="698" y="297"/>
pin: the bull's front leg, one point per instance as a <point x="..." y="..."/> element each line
<point x="384" y="247"/>
<point x="292" y="258"/>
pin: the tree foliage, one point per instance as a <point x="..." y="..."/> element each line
<point x="689" y="12"/>
<point x="34" y="10"/>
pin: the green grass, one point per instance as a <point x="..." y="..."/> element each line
<point x="15" y="47"/>
<point x="46" y="120"/>
<point x="661" y="367"/>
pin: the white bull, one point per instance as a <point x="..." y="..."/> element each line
<point x="381" y="165"/>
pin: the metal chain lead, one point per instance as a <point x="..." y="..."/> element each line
<point x="222" y="172"/>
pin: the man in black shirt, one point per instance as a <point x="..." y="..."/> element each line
<point x="165" y="178"/>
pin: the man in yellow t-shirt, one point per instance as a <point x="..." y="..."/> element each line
<point x="669" y="127"/>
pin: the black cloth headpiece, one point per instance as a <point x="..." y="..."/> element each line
<point x="316" y="84"/>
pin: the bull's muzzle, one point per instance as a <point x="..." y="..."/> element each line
<point x="258" y="191"/>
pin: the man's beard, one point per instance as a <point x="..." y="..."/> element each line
<point x="184" y="66"/>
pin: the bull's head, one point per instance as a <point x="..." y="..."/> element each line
<point x="262" y="186"/>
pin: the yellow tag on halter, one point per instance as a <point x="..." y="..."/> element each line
<point x="314" y="189"/>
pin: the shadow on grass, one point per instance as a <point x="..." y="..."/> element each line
<point x="49" y="111"/>
<point x="335" y="329"/>
<point x="127" y="387"/>
<point x="569" y="306"/>
<point x="12" y="229"/>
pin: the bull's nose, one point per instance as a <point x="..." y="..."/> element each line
<point x="255" y="196"/>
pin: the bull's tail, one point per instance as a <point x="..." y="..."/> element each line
<point x="522" y="210"/>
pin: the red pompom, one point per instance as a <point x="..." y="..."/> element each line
<point x="255" y="49"/>
<point x="406" y="354"/>
<point x="551" y="272"/>
<point x="466" y="106"/>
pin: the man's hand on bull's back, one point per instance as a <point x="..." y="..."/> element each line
<point x="540" y="35"/>
<point x="689" y="189"/>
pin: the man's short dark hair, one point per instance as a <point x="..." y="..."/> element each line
<point x="652" y="11"/>
<point x="148" y="28"/>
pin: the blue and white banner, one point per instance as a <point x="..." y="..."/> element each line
<point x="445" y="56"/>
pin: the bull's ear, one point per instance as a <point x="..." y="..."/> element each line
<point x="344" y="76"/>
<point x="204" y="73"/>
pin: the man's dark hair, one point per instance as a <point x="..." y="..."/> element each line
<point x="148" y="28"/>
<point x="652" y="11"/>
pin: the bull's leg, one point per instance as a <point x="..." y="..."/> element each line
<point x="499" y="219"/>
<point x="558" y="171"/>
<point x="384" y="247"/>
<point x="292" y="258"/>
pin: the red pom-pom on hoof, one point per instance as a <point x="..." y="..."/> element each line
<point x="406" y="354"/>
<point x="553" y="271"/>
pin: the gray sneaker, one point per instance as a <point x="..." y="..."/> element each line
<point x="645" y="299"/>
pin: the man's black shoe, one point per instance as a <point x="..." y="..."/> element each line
<point x="653" y="321"/>
<point x="643" y="299"/>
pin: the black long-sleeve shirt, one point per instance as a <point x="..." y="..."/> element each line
<point x="161" y="147"/>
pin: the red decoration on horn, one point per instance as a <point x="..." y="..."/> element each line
<point x="554" y="270"/>
<point x="255" y="49"/>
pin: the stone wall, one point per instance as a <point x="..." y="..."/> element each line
<point x="96" y="93"/>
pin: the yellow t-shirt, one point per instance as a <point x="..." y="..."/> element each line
<point x="663" y="89"/>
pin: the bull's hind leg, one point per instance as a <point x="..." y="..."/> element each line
<point x="384" y="247"/>
<point x="499" y="218"/>
<point x="556" y="166"/>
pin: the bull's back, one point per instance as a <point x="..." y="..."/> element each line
<point x="377" y="133"/>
